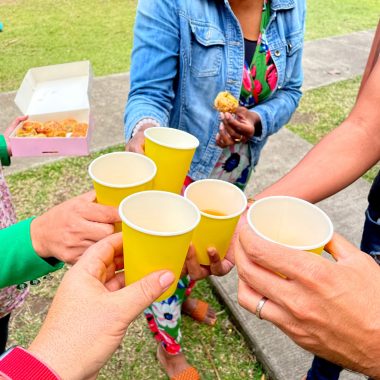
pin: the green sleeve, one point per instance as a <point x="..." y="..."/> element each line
<point x="4" y="155"/>
<point x="19" y="262"/>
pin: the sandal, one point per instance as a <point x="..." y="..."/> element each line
<point x="199" y="312"/>
<point x="189" y="373"/>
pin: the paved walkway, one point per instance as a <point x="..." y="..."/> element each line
<point x="325" y="61"/>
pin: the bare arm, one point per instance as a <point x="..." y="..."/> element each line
<point x="343" y="155"/>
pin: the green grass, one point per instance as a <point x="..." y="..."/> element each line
<point x="323" y="109"/>
<point x="218" y="353"/>
<point x="45" y="32"/>
<point x="335" y="17"/>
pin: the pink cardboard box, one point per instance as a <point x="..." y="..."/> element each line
<point x="55" y="93"/>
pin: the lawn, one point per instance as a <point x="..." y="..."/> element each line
<point x="323" y="109"/>
<point x="44" y="32"/>
<point x="218" y="353"/>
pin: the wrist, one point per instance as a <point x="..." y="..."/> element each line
<point x="37" y="236"/>
<point x="144" y="124"/>
<point x="257" y="124"/>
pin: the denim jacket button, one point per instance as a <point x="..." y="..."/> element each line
<point x="277" y="53"/>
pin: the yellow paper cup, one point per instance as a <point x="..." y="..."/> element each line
<point x="157" y="231"/>
<point x="291" y="222"/>
<point x="172" y="150"/>
<point x="221" y="204"/>
<point x="119" y="174"/>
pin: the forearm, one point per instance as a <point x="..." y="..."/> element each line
<point x="154" y="63"/>
<point x="337" y="161"/>
<point x="19" y="260"/>
<point x="342" y="156"/>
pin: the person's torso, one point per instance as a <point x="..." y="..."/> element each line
<point x="211" y="59"/>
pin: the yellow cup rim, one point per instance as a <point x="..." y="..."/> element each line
<point x="122" y="186"/>
<point x="224" y="183"/>
<point x="178" y="131"/>
<point x="156" y="233"/>
<point x="299" y="200"/>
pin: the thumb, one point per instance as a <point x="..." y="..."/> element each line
<point x="340" y="248"/>
<point x="138" y="296"/>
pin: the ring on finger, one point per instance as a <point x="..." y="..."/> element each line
<point x="260" y="306"/>
<point x="239" y="139"/>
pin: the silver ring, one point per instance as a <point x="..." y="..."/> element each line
<point x="260" y="306"/>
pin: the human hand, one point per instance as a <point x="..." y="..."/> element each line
<point x="236" y="128"/>
<point x="68" y="229"/>
<point x="137" y="142"/>
<point x="197" y="271"/>
<point x="91" y="311"/>
<point x="11" y="128"/>
<point x="329" y="308"/>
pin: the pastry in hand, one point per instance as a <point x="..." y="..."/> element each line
<point x="225" y="102"/>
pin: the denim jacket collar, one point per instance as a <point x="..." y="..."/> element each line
<point x="276" y="5"/>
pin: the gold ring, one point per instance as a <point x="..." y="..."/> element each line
<point x="239" y="139"/>
<point x="260" y="306"/>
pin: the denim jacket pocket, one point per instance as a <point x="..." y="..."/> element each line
<point x="294" y="44"/>
<point x="207" y="43"/>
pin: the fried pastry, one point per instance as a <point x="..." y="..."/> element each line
<point x="69" y="124"/>
<point x="225" y="102"/>
<point x="80" y="130"/>
<point x="23" y="133"/>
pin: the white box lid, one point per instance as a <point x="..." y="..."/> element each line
<point x="55" y="88"/>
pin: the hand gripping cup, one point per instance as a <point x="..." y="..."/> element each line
<point x="172" y="150"/>
<point x="221" y="204"/>
<point x="119" y="174"/>
<point x="157" y="231"/>
<point x="291" y="222"/>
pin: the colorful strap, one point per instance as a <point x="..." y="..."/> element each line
<point x="19" y="364"/>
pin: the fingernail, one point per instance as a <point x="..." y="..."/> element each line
<point x="166" y="279"/>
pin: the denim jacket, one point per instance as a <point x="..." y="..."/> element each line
<point x="187" y="51"/>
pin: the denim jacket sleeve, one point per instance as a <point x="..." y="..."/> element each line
<point x="277" y="110"/>
<point x="154" y="63"/>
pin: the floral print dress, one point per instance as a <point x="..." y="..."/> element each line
<point x="234" y="166"/>
<point x="12" y="296"/>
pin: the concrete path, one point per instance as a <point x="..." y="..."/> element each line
<point x="325" y="61"/>
<point x="280" y="356"/>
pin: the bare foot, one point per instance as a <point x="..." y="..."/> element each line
<point x="188" y="307"/>
<point x="172" y="364"/>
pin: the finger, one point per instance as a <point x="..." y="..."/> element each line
<point x="249" y="299"/>
<point x="194" y="269"/>
<point x="340" y="248"/>
<point x="117" y="282"/>
<point x="95" y="212"/>
<point x="219" y="141"/>
<point x="95" y="231"/>
<point x="136" y="297"/>
<point x="105" y="250"/>
<point x="241" y="127"/>
<point x="227" y="139"/>
<point x="232" y="132"/>
<point x="218" y="267"/>
<point x="14" y="124"/>
<point x="89" y="196"/>
<point x="292" y="263"/>
<point x="263" y="281"/>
